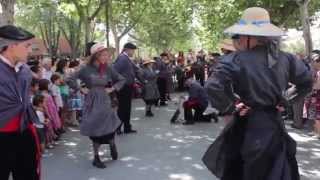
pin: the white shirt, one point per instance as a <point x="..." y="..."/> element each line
<point x="7" y="61"/>
<point x="57" y="95"/>
<point x="42" y="118"/>
<point x="47" y="74"/>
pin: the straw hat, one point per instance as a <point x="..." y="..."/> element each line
<point x="98" y="47"/>
<point x="148" y="61"/>
<point x="227" y="44"/>
<point x="255" y="21"/>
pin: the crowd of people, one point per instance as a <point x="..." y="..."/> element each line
<point x="40" y="98"/>
<point x="61" y="87"/>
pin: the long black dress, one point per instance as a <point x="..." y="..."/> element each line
<point x="256" y="147"/>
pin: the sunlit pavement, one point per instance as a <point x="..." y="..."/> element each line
<point x="159" y="151"/>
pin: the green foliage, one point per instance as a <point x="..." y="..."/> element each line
<point x="156" y="25"/>
<point x="166" y="25"/>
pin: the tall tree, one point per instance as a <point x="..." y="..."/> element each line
<point x="305" y="21"/>
<point x="217" y="15"/>
<point x="124" y="16"/>
<point x="165" y="25"/>
<point x="50" y="31"/>
<point x="7" y="12"/>
<point x="41" y="17"/>
<point x="70" y="27"/>
<point x="88" y="10"/>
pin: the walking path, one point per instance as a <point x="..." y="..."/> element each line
<point x="159" y="151"/>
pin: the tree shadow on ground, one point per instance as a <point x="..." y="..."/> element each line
<point x="159" y="151"/>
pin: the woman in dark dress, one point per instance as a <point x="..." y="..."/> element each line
<point x="100" y="119"/>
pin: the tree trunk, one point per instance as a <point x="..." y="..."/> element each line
<point x="87" y="30"/>
<point x="7" y="12"/>
<point x="304" y="15"/>
<point x="117" y="44"/>
<point x="107" y="21"/>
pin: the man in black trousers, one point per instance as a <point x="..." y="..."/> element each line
<point x="127" y="69"/>
<point x="163" y="76"/>
<point x="19" y="152"/>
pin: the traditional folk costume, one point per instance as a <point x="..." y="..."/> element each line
<point x="20" y="150"/>
<point x="99" y="119"/>
<point x="255" y="146"/>
<point x="150" y="92"/>
<point x="128" y="70"/>
<point x="197" y="101"/>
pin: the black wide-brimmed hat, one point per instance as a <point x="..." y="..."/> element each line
<point x="10" y="34"/>
<point x="129" y="46"/>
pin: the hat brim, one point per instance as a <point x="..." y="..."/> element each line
<point x="148" y="62"/>
<point x="268" y="30"/>
<point x="6" y="42"/>
<point x="227" y="47"/>
<point x="110" y="50"/>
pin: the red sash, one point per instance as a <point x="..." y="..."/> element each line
<point x="13" y="125"/>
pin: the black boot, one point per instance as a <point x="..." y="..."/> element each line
<point x="98" y="163"/>
<point x="113" y="150"/>
<point x="188" y="116"/>
<point x="149" y="113"/>
<point x="215" y="117"/>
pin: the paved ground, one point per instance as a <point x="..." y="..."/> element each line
<point x="159" y="151"/>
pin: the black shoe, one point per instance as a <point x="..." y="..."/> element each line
<point x="163" y="104"/>
<point x="130" y="131"/>
<point x="118" y="131"/>
<point x="149" y="114"/>
<point x="62" y="131"/>
<point x="295" y="126"/>
<point x="113" y="150"/>
<point x="215" y="117"/>
<point x="98" y="163"/>
<point x="188" y="123"/>
<point x="216" y="120"/>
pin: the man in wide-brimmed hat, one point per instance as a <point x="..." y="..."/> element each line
<point x="255" y="145"/>
<point x="19" y="152"/>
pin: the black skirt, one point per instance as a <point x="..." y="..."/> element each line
<point x="105" y="139"/>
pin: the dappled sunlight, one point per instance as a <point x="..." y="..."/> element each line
<point x="140" y="109"/>
<point x="174" y="147"/>
<point x="73" y="130"/>
<point x="199" y="166"/>
<point x="180" y="177"/>
<point x="160" y="151"/>
<point x="135" y="119"/>
<point x="93" y="178"/>
<point x="129" y="159"/>
<point x="70" y="144"/>
<point x="187" y="158"/>
<point x="300" y="138"/>
<point x="171" y="110"/>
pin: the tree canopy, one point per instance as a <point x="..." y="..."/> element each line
<point x="156" y="25"/>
